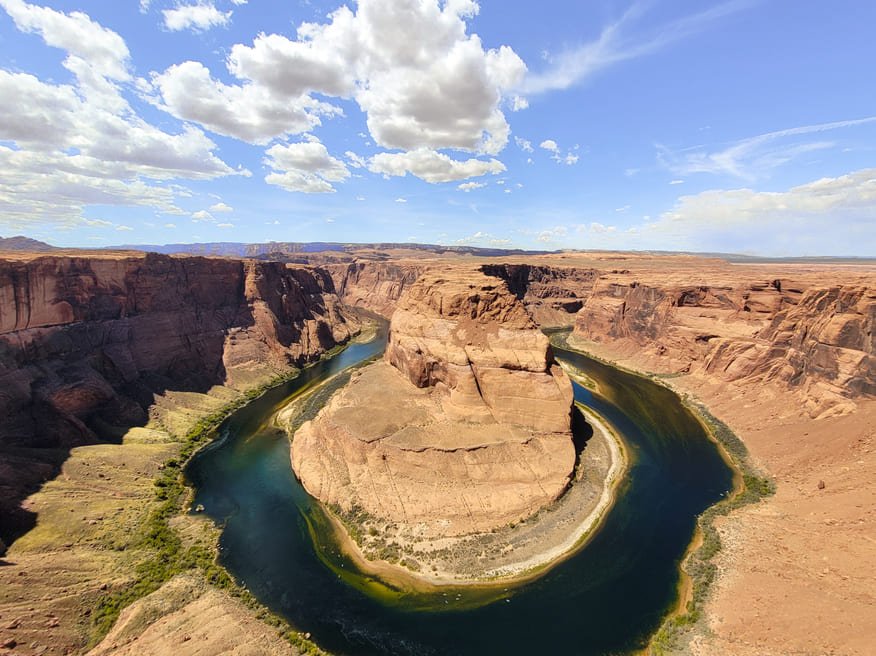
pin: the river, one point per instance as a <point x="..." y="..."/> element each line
<point x="606" y="599"/>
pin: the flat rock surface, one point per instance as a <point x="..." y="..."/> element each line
<point x="388" y="447"/>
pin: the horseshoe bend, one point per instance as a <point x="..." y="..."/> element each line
<point x="461" y="433"/>
<point x="459" y="456"/>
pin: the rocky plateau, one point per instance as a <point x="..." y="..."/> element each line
<point x="463" y="428"/>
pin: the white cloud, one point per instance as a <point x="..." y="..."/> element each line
<point x="524" y="144"/>
<point x="104" y="50"/>
<point x="754" y="157"/>
<point x="596" y="228"/>
<point x="552" y="235"/>
<point x="123" y="228"/>
<point x="170" y="226"/>
<point x="676" y="182"/>
<point x="224" y="225"/>
<point x="552" y="147"/>
<point x="629" y="37"/>
<point x="422" y="81"/>
<point x="221" y="207"/>
<point x="202" y="216"/>
<point x="825" y="216"/>
<point x="471" y="186"/>
<point x="197" y="17"/>
<point x="484" y="239"/>
<point x="622" y="209"/>
<point x="83" y="144"/>
<point x="248" y="112"/>
<point x="355" y="160"/>
<point x="401" y="200"/>
<point x="305" y="166"/>
<point x="432" y="166"/>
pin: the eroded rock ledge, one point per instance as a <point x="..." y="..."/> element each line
<point x="463" y="428"/>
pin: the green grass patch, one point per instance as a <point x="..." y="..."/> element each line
<point x="678" y="628"/>
<point x="167" y="556"/>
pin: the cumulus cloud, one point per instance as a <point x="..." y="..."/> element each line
<point x="104" y="50"/>
<point x="197" y="17"/>
<point x="221" y="207"/>
<point x="552" y="147"/>
<point x="247" y="112"/>
<point x="524" y="144"/>
<point x="432" y="166"/>
<point x="553" y="235"/>
<point x="802" y="219"/>
<point x="80" y="144"/>
<point x="305" y="166"/>
<point x="484" y="238"/>
<point x="356" y="161"/>
<point x="422" y="81"/>
<point x="202" y="216"/>
<point x="471" y="186"/>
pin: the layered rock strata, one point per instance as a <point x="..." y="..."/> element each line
<point x="87" y="344"/>
<point x="463" y="428"/>
<point x="816" y="340"/>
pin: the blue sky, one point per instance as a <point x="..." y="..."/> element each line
<point x="740" y="126"/>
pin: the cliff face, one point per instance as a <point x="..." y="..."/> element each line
<point x="464" y="332"/>
<point x="375" y="286"/>
<point x="464" y="427"/>
<point x="551" y="294"/>
<point x="86" y="344"/>
<point x="83" y="338"/>
<point x="813" y="339"/>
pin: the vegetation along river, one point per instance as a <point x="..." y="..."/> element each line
<point x="606" y="599"/>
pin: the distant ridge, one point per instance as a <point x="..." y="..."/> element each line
<point x="276" y="248"/>
<point x="22" y="243"/>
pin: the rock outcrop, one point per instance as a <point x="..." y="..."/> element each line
<point x="86" y="344"/>
<point x="813" y="339"/>
<point x="552" y="294"/>
<point x="465" y="426"/>
<point x="374" y="286"/>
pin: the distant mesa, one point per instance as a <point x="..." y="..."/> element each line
<point x="22" y="243"/>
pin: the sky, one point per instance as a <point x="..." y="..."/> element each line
<point x="744" y="126"/>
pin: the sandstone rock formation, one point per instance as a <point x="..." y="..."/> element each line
<point x="463" y="428"/>
<point x="817" y="340"/>
<point x="375" y="286"/>
<point x="86" y="343"/>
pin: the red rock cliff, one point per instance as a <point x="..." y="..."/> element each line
<point x="86" y="338"/>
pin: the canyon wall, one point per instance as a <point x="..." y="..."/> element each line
<point x="374" y="286"/>
<point x="813" y="339"/>
<point x="83" y="338"/>
<point x="86" y="344"/>
<point x="463" y="428"/>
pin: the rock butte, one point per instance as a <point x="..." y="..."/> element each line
<point x="463" y="428"/>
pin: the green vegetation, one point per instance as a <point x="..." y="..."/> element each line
<point x="167" y="554"/>
<point x="699" y="566"/>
